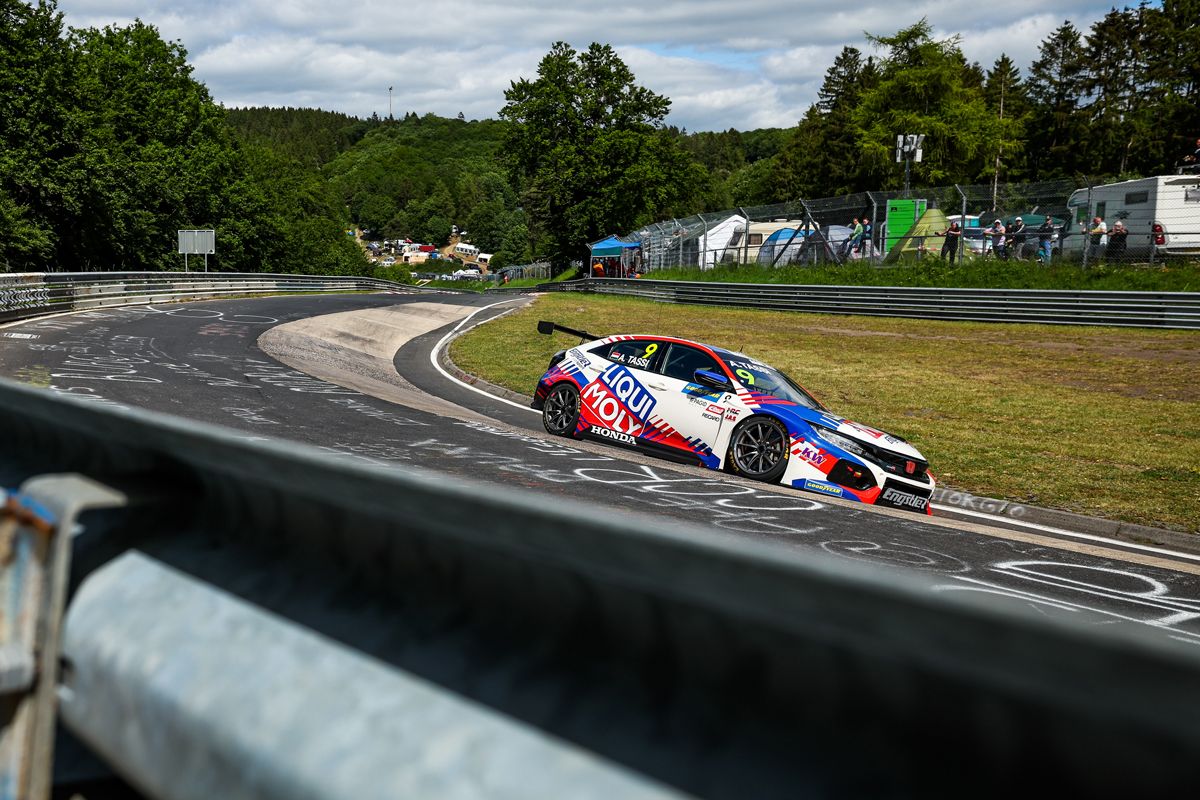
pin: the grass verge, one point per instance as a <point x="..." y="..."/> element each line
<point x="1099" y="421"/>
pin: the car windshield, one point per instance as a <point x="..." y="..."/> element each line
<point x="761" y="378"/>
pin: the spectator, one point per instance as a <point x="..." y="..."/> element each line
<point x="1116" y="241"/>
<point x="854" y="238"/>
<point x="998" y="245"/>
<point x="1017" y="234"/>
<point x="598" y="269"/>
<point x="1192" y="162"/>
<point x="1099" y="238"/>
<point x="866" y="247"/>
<point x="1045" y="234"/>
<point x="953" y="236"/>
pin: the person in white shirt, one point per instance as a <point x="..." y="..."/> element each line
<point x="1099" y="241"/>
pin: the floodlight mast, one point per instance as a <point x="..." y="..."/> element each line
<point x="908" y="149"/>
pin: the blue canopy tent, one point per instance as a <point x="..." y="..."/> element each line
<point x="617" y="253"/>
<point x="612" y="247"/>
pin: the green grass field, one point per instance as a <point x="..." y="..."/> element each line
<point x="1100" y="421"/>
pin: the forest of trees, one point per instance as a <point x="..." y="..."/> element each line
<point x="108" y="145"/>
<point x="1121" y="100"/>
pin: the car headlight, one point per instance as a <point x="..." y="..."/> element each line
<point x="843" y="442"/>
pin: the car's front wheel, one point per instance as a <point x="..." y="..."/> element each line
<point x="759" y="449"/>
<point x="560" y="414"/>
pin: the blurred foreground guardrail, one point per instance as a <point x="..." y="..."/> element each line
<point x="253" y="618"/>
<point x="1128" y="309"/>
<point x="31" y="294"/>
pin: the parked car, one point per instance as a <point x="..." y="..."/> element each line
<point x="724" y="410"/>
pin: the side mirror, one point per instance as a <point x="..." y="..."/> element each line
<point x="713" y="380"/>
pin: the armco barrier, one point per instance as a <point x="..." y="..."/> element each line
<point x="1126" y="309"/>
<point x="264" y="620"/>
<point x="32" y="294"/>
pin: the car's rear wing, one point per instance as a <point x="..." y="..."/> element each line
<point x="548" y="328"/>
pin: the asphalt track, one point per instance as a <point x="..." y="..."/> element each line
<point x="250" y="365"/>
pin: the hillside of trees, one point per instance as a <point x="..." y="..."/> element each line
<point x="108" y="145"/>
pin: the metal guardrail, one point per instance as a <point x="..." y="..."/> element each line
<point x="1123" y="309"/>
<point x="265" y="620"/>
<point x="26" y="295"/>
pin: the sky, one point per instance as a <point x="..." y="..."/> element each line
<point x="746" y="64"/>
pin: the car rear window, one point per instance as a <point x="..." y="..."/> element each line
<point x="636" y="353"/>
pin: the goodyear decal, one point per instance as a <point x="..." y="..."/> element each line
<point x="696" y="390"/>
<point x="821" y="487"/>
<point x="619" y="401"/>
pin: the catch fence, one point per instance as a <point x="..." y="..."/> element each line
<point x="1142" y="221"/>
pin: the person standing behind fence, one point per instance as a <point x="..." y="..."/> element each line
<point x="1116" y="241"/>
<point x="1018" y="234"/>
<point x="1045" y="234"/>
<point x="998" y="246"/>
<point x="1099" y="238"/>
<point x="865" y="246"/>
<point x="953" y="236"/>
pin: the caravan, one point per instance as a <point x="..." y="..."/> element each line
<point x="743" y="246"/>
<point x="1162" y="214"/>
<point x="467" y="252"/>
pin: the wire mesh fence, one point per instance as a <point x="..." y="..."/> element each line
<point x="1137" y="221"/>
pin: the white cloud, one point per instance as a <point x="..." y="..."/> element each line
<point x="744" y="65"/>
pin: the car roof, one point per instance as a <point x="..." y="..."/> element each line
<point x="720" y="352"/>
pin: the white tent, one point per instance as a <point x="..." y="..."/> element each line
<point x="714" y="240"/>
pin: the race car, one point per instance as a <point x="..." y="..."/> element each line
<point x="705" y="405"/>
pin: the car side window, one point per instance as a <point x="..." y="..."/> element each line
<point x="636" y="353"/>
<point x="683" y="361"/>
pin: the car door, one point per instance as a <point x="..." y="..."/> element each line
<point x="692" y="414"/>
<point x="616" y="402"/>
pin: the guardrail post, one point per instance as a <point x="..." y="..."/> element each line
<point x="36" y="526"/>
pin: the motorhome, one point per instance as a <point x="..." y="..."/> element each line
<point x="1162" y="214"/>
<point x="468" y="252"/>
<point x="744" y="245"/>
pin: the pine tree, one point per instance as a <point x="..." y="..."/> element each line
<point x="1056" y="89"/>
<point x="1005" y="96"/>
<point x="1114" y="84"/>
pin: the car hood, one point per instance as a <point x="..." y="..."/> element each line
<point x="848" y="428"/>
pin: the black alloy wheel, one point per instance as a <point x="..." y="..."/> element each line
<point x="759" y="449"/>
<point x="560" y="414"/>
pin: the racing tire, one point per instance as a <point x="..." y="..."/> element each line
<point x="759" y="449"/>
<point x="560" y="414"/>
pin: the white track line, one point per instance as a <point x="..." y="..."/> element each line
<point x="433" y="359"/>
<point x="1073" y="534"/>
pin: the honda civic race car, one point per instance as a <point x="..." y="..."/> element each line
<point x="701" y="404"/>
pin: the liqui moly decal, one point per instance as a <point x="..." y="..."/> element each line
<point x="619" y="401"/>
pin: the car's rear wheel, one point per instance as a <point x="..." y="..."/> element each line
<point x="560" y="414"/>
<point x="758" y="449"/>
